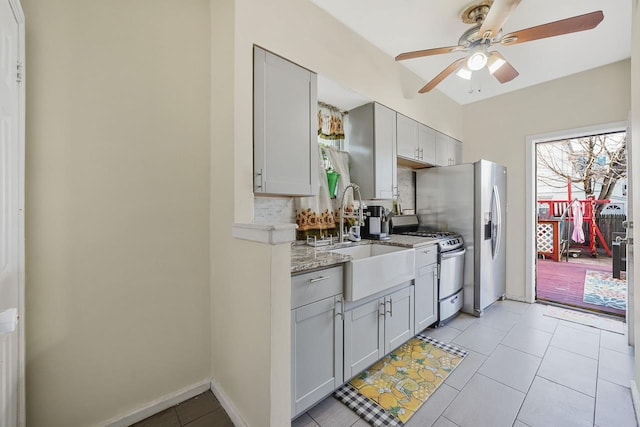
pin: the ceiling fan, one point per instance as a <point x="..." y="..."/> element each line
<point x="488" y="17"/>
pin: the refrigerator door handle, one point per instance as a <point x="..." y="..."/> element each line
<point x="496" y="216"/>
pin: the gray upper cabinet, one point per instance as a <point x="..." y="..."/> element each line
<point x="285" y="152"/>
<point x="372" y="142"/>
<point x="427" y="144"/>
<point x="416" y="142"/>
<point x="448" y="150"/>
<point x="407" y="135"/>
<point x="456" y="154"/>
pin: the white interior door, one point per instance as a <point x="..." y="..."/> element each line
<point x="11" y="215"/>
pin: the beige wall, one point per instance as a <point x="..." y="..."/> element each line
<point x="117" y="292"/>
<point x="496" y="130"/>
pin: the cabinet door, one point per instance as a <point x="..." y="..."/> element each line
<point x="427" y="144"/>
<point x="285" y="125"/>
<point x="384" y="152"/>
<point x="426" y="290"/>
<point x="456" y="154"/>
<point x="316" y="352"/>
<point x="399" y="319"/>
<point x="407" y="137"/>
<point x="442" y="150"/>
<point x="363" y="337"/>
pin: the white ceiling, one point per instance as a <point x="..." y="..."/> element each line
<point x="397" y="26"/>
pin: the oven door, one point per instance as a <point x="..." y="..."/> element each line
<point x="451" y="273"/>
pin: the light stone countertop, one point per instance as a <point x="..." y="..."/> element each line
<point x="306" y="258"/>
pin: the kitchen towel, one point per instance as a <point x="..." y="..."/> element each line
<point x="314" y="214"/>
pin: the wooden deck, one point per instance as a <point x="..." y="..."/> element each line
<point x="563" y="282"/>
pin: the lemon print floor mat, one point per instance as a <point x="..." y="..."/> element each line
<point x="393" y="389"/>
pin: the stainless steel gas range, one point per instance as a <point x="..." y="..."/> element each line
<point x="450" y="263"/>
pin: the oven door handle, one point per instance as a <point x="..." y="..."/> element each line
<point x="458" y="252"/>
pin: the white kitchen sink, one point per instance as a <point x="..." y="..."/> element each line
<point x="374" y="268"/>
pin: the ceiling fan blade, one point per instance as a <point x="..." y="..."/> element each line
<point x="452" y="68"/>
<point x="498" y="14"/>
<point x="428" y="52"/>
<point x="584" y="22"/>
<point x="505" y="73"/>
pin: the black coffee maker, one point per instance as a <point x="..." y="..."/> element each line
<point x="376" y="226"/>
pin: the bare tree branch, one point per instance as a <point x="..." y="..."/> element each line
<point x="589" y="163"/>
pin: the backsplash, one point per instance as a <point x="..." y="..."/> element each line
<point x="274" y="209"/>
<point x="282" y="209"/>
<point x="407" y="187"/>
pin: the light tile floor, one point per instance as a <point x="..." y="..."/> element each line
<point x="523" y="369"/>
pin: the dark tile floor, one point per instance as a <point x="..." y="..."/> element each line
<point x="203" y="410"/>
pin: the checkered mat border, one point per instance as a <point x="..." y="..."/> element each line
<point x="369" y="410"/>
<point x="442" y="346"/>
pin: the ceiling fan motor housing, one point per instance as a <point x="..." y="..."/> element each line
<point x="476" y="13"/>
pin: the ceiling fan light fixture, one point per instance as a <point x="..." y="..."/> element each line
<point x="477" y="60"/>
<point x="494" y="63"/>
<point x="464" y="73"/>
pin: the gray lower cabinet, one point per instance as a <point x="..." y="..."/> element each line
<point x="285" y="124"/>
<point x="316" y="337"/>
<point x="426" y="287"/>
<point x="375" y="328"/>
<point x="363" y="337"/>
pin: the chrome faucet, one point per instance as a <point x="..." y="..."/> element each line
<point x="354" y="188"/>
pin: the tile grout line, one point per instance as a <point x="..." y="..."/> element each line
<point x="595" y="398"/>
<point x="536" y="374"/>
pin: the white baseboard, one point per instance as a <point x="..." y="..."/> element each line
<point x="635" y="397"/>
<point x="517" y="298"/>
<point x="159" y="405"/>
<point x="227" y="405"/>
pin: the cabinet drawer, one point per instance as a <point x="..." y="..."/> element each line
<point x="316" y="285"/>
<point x="426" y="255"/>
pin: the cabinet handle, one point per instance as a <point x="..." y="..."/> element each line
<point x="416" y="153"/>
<point x="259" y="174"/>
<point x="384" y="308"/>
<point x="435" y="274"/>
<point x="390" y="307"/>
<point x="453" y="300"/>
<point x="427" y="252"/>
<point x="339" y="313"/>
<point x="318" y="279"/>
<point x="422" y="154"/>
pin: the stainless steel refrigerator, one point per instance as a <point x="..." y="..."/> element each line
<point x="470" y="199"/>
